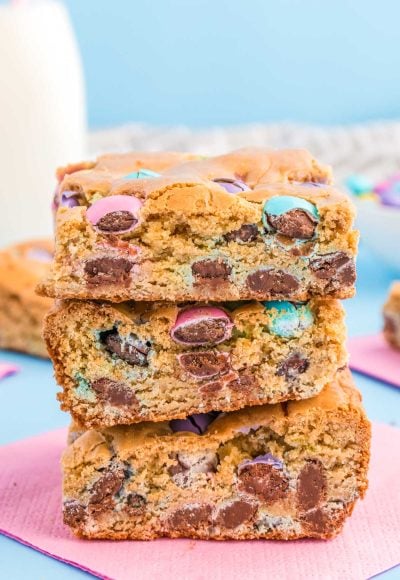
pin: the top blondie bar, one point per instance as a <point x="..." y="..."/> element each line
<point x="252" y="224"/>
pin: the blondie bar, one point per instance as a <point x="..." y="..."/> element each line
<point x="282" y="471"/>
<point x="252" y="224"/>
<point x="21" y="309"/>
<point x="391" y="316"/>
<point x="131" y="362"/>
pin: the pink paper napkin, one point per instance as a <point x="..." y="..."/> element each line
<point x="7" y="369"/>
<point x="371" y="355"/>
<point x="370" y="543"/>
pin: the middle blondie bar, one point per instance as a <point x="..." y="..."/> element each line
<point x="132" y="362"/>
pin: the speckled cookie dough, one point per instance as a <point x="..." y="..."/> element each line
<point x="131" y="362"/>
<point x="391" y="316"/>
<point x="21" y="309"/>
<point x="253" y="224"/>
<point x="282" y="471"/>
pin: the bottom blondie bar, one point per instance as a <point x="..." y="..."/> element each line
<point x="282" y="471"/>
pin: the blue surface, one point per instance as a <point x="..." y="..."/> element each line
<point x="208" y="62"/>
<point x="28" y="406"/>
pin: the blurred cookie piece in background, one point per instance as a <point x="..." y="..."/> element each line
<point x="21" y="309"/>
<point x="391" y="315"/>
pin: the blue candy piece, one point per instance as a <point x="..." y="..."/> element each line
<point x="142" y="174"/>
<point x="280" y="204"/>
<point x="359" y="184"/>
<point x="288" y="320"/>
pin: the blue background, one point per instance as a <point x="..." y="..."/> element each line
<point x="207" y="62"/>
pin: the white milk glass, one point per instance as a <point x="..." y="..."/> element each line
<point x="42" y="112"/>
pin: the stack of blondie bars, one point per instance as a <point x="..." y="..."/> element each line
<point x="199" y="343"/>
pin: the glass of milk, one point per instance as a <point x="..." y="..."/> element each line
<point x="42" y="112"/>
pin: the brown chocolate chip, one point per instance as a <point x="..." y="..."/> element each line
<point x="206" y="331"/>
<point x="292" y="366"/>
<point x="311" y="485"/>
<point x="236" y="513"/>
<point x="190" y="518"/>
<point x="116" y="221"/>
<point x="246" y="233"/>
<point x="136" y="503"/>
<point x="315" y="521"/>
<point x="108" y="270"/>
<point x="337" y="268"/>
<point x="204" y="365"/>
<point x="129" y="349"/>
<point x="114" y="392"/>
<point x="295" y="223"/>
<point x="212" y="388"/>
<point x="211" y="270"/>
<point x="268" y="282"/>
<point x="74" y="513"/>
<point x="244" y="383"/>
<point x="263" y="481"/>
<point x="106" y="486"/>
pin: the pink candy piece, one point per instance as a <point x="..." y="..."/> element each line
<point x="7" y="369"/>
<point x="113" y="204"/>
<point x="200" y="326"/>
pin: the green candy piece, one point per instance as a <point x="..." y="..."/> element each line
<point x="288" y="320"/>
<point x="280" y="204"/>
<point x="142" y="174"/>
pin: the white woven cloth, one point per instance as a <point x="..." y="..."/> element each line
<point x="371" y="149"/>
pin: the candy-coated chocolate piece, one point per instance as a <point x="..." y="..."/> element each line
<point x="114" y="214"/>
<point x="69" y="199"/>
<point x="200" y="325"/>
<point x="194" y="423"/>
<point x="390" y="198"/>
<point x="291" y="216"/>
<point x="267" y="459"/>
<point x="392" y="183"/>
<point x="358" y="184"/>
<point x="231" y="185"/>
<point x="288" y="320"/>
<point x="142" y="174"/>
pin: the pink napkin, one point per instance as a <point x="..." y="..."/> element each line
<point x="7" y="369"/>
<point x="369" y="544"/>
<point x="371" y="355"/>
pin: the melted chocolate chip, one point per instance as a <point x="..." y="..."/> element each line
<point x="244" y="383"/>
<point x="116" y="221"/>
<point x="316" y="521"/>
<point x="190" y="518"/>
<point x="204" y="364"/>
<point x="236" y="513"/>
<point x="115" y="393"/>
<point x="295" y="223"/>
<point x="129" y="349"/>
<point x="211" y="270"/>
<point x="106" y="486"/>
<point x="246" y="233"/>
<point x="311" y="485"/>
<point x="107" y="270"/>
<point x="74" y="513"/>
<point x="269" y="282"/>
<point x="263" y="481"/>
<point x="207" y="331"/>
<point x="211" y="389"/>
<point x="293" y="366"/>
<point x="337" y="268"/>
